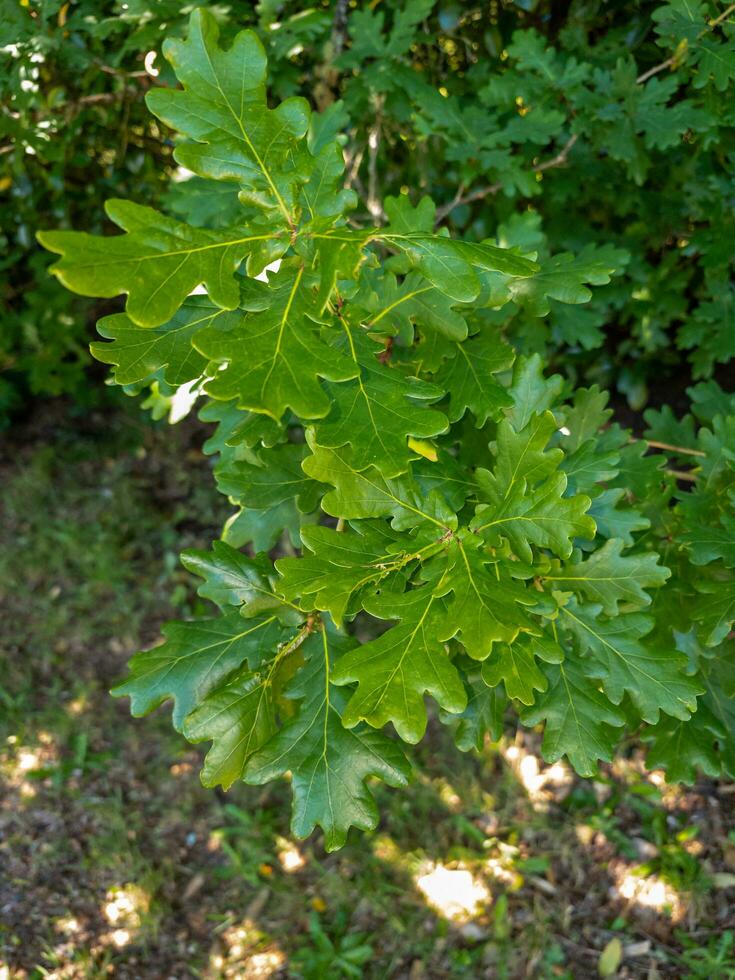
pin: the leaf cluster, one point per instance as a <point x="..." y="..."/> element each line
<point x="431" y="523"/>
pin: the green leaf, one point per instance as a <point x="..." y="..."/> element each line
<point x="565" y="277"/>
<point x="609" y="577"/>
<point x="234" y="579"/>
<point x="277" y="479"/>
<point x="328" y="763"/>
<point x="685" y="748"/>
<point x="238" y="717"/>
<point x="223" y="108"/>
<point x="384" y="406"/>
<point x="394" y="671"/>
<point x="483" y="715"/>
<point x="520" y="507"/>
<point x="532" y="394"/>
<point x="286" y="356"/>
<point x="487" y="606"/>
<point x="393" y="307"/>
<point x="365" y="493"/>
<point x="514" y="665"/>
<point x="158" y="263"/>
<point x="194" y="659"/>
<point x="468" y="377"/>
<point x="449" y="263"/>
<point x="339" y="566"/>
<point x="580" y="721"/>
<point x="714" y="608"/>
<point x="139" y="353"/>
<point x="708" y="542"/>
<point x="650" y="671"/>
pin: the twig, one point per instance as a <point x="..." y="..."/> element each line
<point x="339" y="27"/>
<point x="678" y="55"/>
<point x="674" y="449"/>
<point x="309" y="626"/>
<point x="655" y="70"/>
<point x="353" y="165"/>
<point x="480" y="192"/>
<point x="718" y="20"/>
<point x="374" y="204"/>
<point x="99" y="97"/>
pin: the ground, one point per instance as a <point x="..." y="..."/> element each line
<point x="114" y="861"/>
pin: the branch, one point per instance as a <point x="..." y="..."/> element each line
<point x="480" y="192"/>
<point x="674" y="449"/>
<point x="677" y="57"/>
<point x="374" y="204"/>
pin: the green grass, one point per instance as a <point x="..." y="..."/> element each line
<point x="115" y="861"/>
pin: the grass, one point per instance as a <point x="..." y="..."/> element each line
<point x="114" y="861"/>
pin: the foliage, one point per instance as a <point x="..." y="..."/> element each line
<point x="519" y="541"/>
<point x="599" y="138"/>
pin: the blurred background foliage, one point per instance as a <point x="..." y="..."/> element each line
<point x="597" y="129"/>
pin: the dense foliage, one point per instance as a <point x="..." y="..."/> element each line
<point x="599" y="134"/>
<point x="375" y="426"/>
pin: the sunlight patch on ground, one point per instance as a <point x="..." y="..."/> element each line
<point x="67" y="925"/>
<point x="22" y="761"/>
<point x="290" y="857"/>
<point x="455" y="893"/>
<point x="648" y="891"/>
<point x="239" y="949"/>
<point x="77" y="706"/>
<point x="501" y="866"/>
<point x="542" y="783"/>
<point x="124" y="908"/>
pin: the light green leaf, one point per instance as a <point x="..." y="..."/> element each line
<point x="285" y="354"/>
<point x="609" y="577"/>
<point x="223" y="108"/>
<point x="158" y="263"/>
<point x="138" y="353"/>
